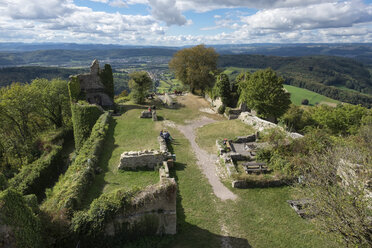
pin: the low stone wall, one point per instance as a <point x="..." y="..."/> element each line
<point x="154" y="206"/>
<point x="260" y="124"/>
<point x="135" y="159"/>
<point x="275" y="182"/>
<point x="246" y="139"/>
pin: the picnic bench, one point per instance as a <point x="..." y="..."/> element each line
<point x="255" y="167"/>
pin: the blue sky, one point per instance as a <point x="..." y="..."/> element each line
<point x="185" y="22"/>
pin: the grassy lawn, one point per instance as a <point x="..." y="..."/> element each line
<point x="298" y="94"/>
<point x="127" y="133"/>
<point x="188" y="109"/>
<point x="208" y="134"/>
<point x="259" y="218"/>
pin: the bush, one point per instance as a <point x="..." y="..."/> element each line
<point x="66" y="195"/>
<point x="15" y="213"/>
<point x="84" y="116"/>
<point x="305" y="102"/>
<point x="42" y="173"/>
<point x="221" y="109"/>
<point x="3" y="182"/>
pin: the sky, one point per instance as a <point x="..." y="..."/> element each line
<point x="185" y="22"/>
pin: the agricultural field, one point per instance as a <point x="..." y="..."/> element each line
<point x="298" y="94"/>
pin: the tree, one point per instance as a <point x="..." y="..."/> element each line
<point x="108" y="80"/>
<point x="195" y="67"/>
<point x="336" y="181"/>
<point x="223" y="88"/>
<point x="53" y="101"/>
<point x="305" y="102"/>
<point x="263" y="91"/>
<point x="139" y="83"/>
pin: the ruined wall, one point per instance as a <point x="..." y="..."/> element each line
<point x="142" y="159"/>
<point x="154" y="206"/>
<point x="135" y="159"/>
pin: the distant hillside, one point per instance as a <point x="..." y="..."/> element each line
<point x="326" y="75"/>
<point x="26" y="74"/>
<point x="77" y="57"/>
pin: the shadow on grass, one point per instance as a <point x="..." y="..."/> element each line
<point x="99" y="181"/>
<point x="189" y="235"/>
<point x="128" y="107"/>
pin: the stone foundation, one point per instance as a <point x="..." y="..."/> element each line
<point x="133" y="160"/>
<point x="155" y="207"/>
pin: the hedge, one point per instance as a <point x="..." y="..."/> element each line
<point x="74" y="89"/>
<point x="16" y="214"/>
<point x="84" y="116"/>
<point x="66" y="195"/>
<point x="43" y="172"/>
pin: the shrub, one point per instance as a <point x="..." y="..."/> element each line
<point x="84" y="116"/>
<point x="42" y="173"/>
<point x="305" y="102"/>
<point x="3" y="182"/>
<point x="66" y="195"/>
<point x="15" y="213"/>
<point x="221" y="109"/>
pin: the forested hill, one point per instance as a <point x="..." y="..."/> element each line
<point x="339" y="78"/>
<point x="76" y="57"/>
<point x="25" y="74"/>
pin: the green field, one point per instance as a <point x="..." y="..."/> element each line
<point x="259" y="218"/>
<point x="298" y="94"/>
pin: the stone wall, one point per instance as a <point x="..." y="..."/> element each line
<point x="144" y="159"/>
<point x="260" y="124"/>
<point x="137" y="159"/>
<point x="154" y="206"/>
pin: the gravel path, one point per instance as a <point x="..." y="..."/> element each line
<point x="206" y="161"/>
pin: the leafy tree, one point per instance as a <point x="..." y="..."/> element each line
<point x="139" y="83"/>
<point x="305" y="102"/>
<point x="263" y="91"/>
<point x="344" y="119"/>
<point x="336" y="181"/>
<point x="53" y="101"/>
<point x="195" y="67"/>
<point x="223" y="88"/>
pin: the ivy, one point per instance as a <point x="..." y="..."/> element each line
<point x="83" y="119"/>
<point x="15" y="213"/>
<point x="66" y="195"/>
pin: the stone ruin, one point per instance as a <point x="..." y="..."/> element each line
<point x="91" y="85"/>
<point x="145" y="159"/>
<point x="157" y="202"/>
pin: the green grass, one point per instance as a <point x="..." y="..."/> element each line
<point x="208" y="134"/>
<point x="188" y="109"/>
<point x="259" y="218"/>
<point x="126" y="133"/>
<point x="298" y="94"/>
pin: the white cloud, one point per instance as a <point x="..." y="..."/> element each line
<point x="38" y="9"/>
<point x="166" y="10"/>
<point x="100" y="1"/>
<point x="325" y="15"/>
<point x="276" y="21"/>
<point x="118" y="3"/>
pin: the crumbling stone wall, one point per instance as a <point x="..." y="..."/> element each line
<point x="155" y="204"/>
<point x="135" y="159"/>
<point x="92" y="87"/>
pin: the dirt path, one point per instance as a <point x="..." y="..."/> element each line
<point x="206" y="161"/>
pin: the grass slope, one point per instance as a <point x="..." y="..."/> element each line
<point x="298" y="94"/>
<point x="207" y="135"/>
<point x="126" y="133"/>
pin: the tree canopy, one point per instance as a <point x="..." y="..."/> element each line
<point x="195" y="67"/>
<point x="263" y="91"/>
<point x="223" y="88"/>
<point x="139" y="83"/>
